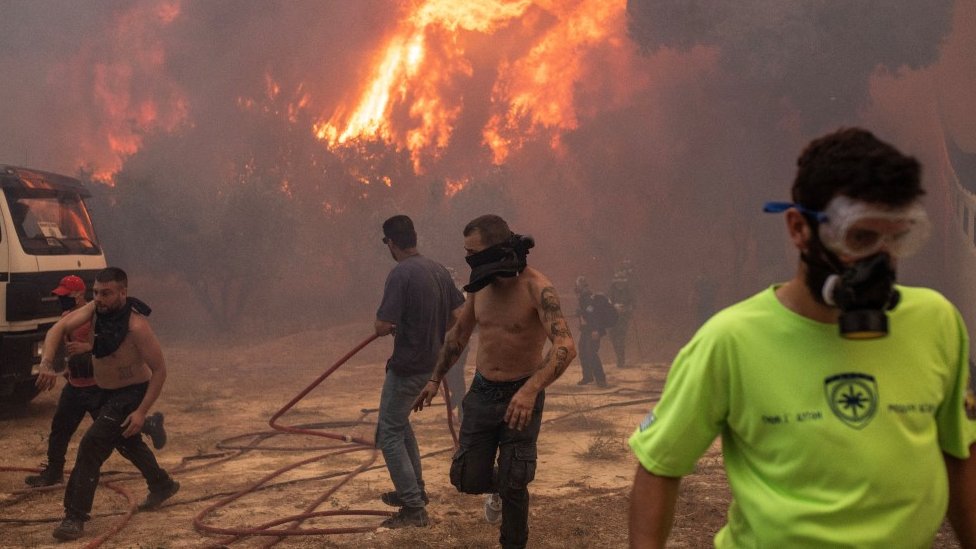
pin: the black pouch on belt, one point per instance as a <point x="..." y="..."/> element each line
<point x="80" y="365"/>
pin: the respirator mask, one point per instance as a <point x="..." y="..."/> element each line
<point x="506" y="259"/>
<point x="868" y="236"/>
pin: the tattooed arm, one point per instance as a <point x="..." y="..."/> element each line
<point x="454" y="343"/>
<point x="561" y="353"/>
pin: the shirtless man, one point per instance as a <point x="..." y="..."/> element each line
<point x="81" y="394"/>
<point x="516" y="309"/>
<point x="129" y="368"/>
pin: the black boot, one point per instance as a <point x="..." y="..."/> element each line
<point x="407" y="516"/>
<point x="69" y="529"/>
<point x="49" y="476"/>
<point x="155" y="499"/>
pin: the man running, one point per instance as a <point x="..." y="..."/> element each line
<point x="81" y="394"/>
<point x="129" y="368"/>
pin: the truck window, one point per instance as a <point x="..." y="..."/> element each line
<point x="51" y="222"/>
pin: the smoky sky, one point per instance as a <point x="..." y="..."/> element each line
<point x="683" y="132"/>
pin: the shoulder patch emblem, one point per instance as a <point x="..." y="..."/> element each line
<point x="853" y="398"/>
<point x="647" y="421"/>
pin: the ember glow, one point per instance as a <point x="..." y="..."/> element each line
<point x="411" y="99"/>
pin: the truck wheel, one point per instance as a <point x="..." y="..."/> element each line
<point x="23" y="393"/>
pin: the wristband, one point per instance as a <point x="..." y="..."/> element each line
<point x="437" y="381"/>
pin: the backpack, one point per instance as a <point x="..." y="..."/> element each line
<point x="604" y="311"/>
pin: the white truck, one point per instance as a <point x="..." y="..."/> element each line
<point x="45" y="234"/>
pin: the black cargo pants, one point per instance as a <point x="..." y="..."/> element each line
<point x="96" y="446"/>
<point x="484" y="434"/>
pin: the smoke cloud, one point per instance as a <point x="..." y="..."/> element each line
<point x="193" y="121"/>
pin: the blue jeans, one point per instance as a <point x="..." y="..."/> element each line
<point x="455" y="381"/>
<point x="395" y="437"/>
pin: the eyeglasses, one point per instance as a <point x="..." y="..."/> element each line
<point x="859" y="229"/>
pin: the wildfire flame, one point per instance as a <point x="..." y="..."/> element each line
<point x="426" y="59"/>
<point x="487" y="75"/>
<point x="124" y="114"/>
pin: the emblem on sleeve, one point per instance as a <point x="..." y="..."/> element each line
<point x="647" y="421"/>
<point x="852" y="397"/>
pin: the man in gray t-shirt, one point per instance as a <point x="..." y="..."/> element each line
<point x="420" y="302"/>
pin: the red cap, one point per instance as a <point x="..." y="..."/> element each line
<point x="69" y="284"/>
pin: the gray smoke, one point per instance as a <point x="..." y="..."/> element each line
<point x="251" y="222"/>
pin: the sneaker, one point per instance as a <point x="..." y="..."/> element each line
<point x="69" y="529"/>
<point x="493" y="508"/>
<point x="155" y="499"/>
<point x="48" y="476"/>
<point x="393" y="500"/>
<point x="407" y="516"/>
<point x="154" y="428"/>
<point x="584" y="381"/>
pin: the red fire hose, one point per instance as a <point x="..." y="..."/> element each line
<point x="346" y="444"/>
<point x="350" y="444"/>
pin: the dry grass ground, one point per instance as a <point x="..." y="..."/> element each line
<point x="579" y="497"/>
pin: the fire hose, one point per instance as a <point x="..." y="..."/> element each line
<point x="348" y="444"/>
<point x="351" y="444"/>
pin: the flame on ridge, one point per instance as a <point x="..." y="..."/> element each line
<point x="425" y="59"/>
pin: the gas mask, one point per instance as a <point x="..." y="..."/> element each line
<point x="506" y="259"/>
<point x="863" y="291"/>
<point x="868" y="236"/>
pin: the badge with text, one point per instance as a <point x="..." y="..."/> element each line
<point x="852" y="397"/>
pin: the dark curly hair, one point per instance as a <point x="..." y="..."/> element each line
<point x="855" y="163"/>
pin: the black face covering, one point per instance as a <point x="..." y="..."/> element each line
<point x="112" y="327"/>
<point x="66" y="302"/>
<point x="506" y="259"/>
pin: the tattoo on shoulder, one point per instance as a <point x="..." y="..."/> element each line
<point x="550" y="304"/>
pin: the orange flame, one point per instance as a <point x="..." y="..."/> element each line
<point x="416" y="70"/>
<point x="538" y="89"/>
<point x="453" y="186"/>
<point x="125" y="116"/>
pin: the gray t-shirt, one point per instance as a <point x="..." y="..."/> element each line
<point x="419" y="297"/>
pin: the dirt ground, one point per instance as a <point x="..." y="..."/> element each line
<point x="217" y="393"/>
